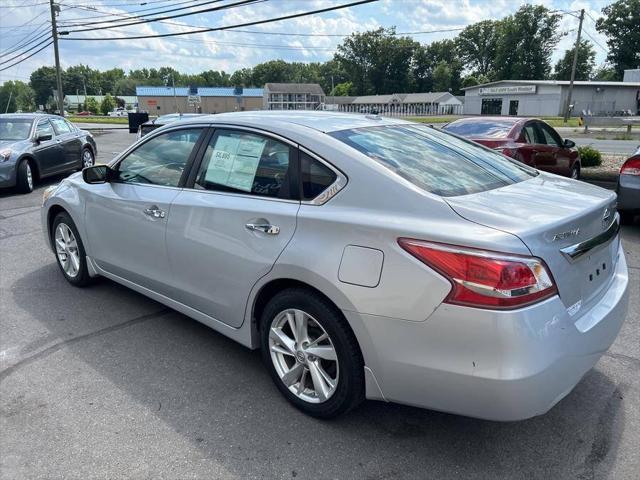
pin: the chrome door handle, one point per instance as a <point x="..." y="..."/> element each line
<point x="155" y="212"/>
<point x="264" y="228"/>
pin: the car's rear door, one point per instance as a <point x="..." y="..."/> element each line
<point x="232" y="221"/>
<point x="69" y="142"/>
<point x="126" y="218"/>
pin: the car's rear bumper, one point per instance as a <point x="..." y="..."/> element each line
<point x="7" y="174"/>
<point x="504" y="366"/>
<point x="628" y="191"/>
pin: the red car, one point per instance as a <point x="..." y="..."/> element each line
<point x="528" y="140"/>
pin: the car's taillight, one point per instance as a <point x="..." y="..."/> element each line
<point x="631" y="167"/>
<point x="485" y="279"/>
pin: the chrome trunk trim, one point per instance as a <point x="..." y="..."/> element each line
<point x="573" y="252"/>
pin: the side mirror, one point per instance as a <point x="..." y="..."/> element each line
<point x="97" y="174"/>
<point x="44" y="137"/>
<point x="569" y="143"/>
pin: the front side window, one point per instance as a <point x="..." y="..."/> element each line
<point x="161" y="160"/>
<point x="435" y="161"/>
<point x="44" y="128"/>
<point x="60" y="126"/>
<point x="243" y="162"/>
<point x="548" y="135"/>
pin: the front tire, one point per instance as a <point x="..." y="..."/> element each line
<point x="24" y="180"/>
<point x="575" y="172"/>
<point x="311" y="353"/>
<point x="70" y="253"/>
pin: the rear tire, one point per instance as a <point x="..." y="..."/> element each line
<point x="575" y="172"/>
<point x="24" y="180"/>
<point x="325" y="377"/>
<point x="69" y="250"/>
<point x="88" y="160"/>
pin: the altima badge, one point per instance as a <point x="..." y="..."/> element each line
<point x="569" y="233"/>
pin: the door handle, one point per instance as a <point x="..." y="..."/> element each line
<point x="264" y="228"/>
<point x="155" y="212"/>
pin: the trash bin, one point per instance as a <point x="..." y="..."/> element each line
<point x="136" y="119"/>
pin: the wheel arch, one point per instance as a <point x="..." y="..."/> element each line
<point x="35" y="167"/>
<point x="53" y="211"/>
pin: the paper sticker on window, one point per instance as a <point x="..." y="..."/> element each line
<point x="234" y="161"/>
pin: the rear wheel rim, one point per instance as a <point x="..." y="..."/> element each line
<point x="67" y="250"/>
<point x="29" y="176"/>
<point x="303" y="356"/>
<point x="87" y="159"/>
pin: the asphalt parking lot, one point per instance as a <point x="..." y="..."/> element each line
<point x="105" y="383"/>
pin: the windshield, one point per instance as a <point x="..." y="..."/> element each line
<point x="15" y="128"/>
<point x="488" y="129"/>
<point x="436" y="161"/>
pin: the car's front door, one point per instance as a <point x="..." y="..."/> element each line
<point x="227" y="230"/>
<point x="546" y="148"/>
<point x="48" y="153"/>
<point x="70" y="143"/>
<point x="126" y="218"/>
<point x="562" y="163"/>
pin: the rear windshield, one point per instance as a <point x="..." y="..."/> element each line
<point x="475" y="129"/>
<point x="436" y="161"/>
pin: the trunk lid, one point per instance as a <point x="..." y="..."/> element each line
<point x="551" y="214"/>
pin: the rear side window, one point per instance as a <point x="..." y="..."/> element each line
<point x="243" y="162"/>
<point x="435" y="161"/>
<point x="316" y="177"/>
<point x="60" y="126"/>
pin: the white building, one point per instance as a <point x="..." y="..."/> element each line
<point x="293" y="96"/>
<point x="401" y="104"/>
<point x="547" y="98"/>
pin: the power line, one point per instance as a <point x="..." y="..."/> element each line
<point x="24" y="6"/>
<point x="246" y="24"/>
<point x="26" y="58"/>
<point x="23" y="41"/>
<point x="206" y="10"/>
<point x="22" y="45"/>
<point x="443" y="30"/>
<point x="109" y="14"/>
<point x="26" y="23"/>
<point x="26" y="51"/>
<point x="605" y="50"/>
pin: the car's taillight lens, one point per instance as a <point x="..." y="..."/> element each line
<point x="631" y="167"/>
<point x="485" y="279"/>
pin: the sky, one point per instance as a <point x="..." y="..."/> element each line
<point x="231" y="50"/>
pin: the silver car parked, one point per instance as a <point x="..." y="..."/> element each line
<point x="366" y="257"/>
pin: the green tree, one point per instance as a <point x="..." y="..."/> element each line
<point x="477" y="45"/>
<point x="621" y="25"/>
<point x="526" y="41"/>
<point x="43" y="82"/>
<point x="242" y="78"/>
<point x="427" y="58"/>
<point x="91" y="105"/>
<point x="378" y="61"/>
<point x="277" y="71"/>
<point x="342" y="89"/>
<point x="108" y="104"/>
<point x="605" y="73"/>
<point x="442" y="77"/>
<point x="470" y="81"/>
<point x="584" y="66"/>
<point x="8" y="102"/>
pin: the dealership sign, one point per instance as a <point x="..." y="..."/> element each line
<point x="521" y="89"/>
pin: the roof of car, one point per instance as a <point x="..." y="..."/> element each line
<point x="317" y="120"/>
<point x="26" y="115"/>
<point x="505" y="120"/>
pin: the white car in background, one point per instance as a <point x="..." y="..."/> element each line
<point x="118" y="112"/>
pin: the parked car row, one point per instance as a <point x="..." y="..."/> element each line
<point x="365" y="257"/>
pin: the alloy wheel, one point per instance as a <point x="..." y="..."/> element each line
<point x="303" y="355"/>
<point x="67" y="250"/>
<point x="29" y="176"/>
<point x="87" y="159"/>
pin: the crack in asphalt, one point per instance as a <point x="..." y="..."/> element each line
<point x="33" y="210"/>
<point x="58" y="346"/>
<point x="622" y="356"/>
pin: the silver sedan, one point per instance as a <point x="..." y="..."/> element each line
<point x="366" y="257"/>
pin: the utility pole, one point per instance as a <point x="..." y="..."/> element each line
<point x="573" y="68"/>
<point x="54" y="33"/>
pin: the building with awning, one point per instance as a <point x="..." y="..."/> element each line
<point x="401" y="104"/>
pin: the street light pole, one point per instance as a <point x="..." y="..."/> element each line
<point x="573" y="68"/>
<point x="54" y="32"/>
